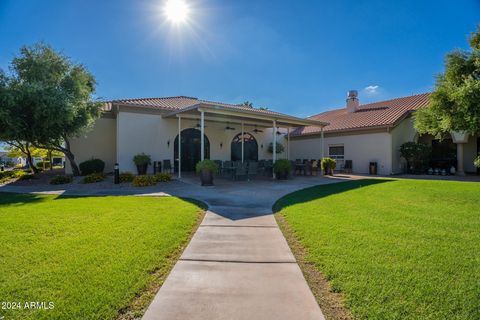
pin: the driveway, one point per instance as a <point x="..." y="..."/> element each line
<point x="238" y="264"/>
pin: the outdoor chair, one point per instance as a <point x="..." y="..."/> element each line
<point x="315" y="166"/>
<point x="261" y="166"/>
<point x="240" y="171"/>
<point x="252" y="170"/>
<point x="308" y="167"/>
<point x="292" y="163"/>
<point x="167" y="166"/>
<point x="219" y="164"/>
<point x="347" y="168"/>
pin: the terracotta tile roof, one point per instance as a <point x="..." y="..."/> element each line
<point x="372" y="115"/>
<point x="178" y="103"/>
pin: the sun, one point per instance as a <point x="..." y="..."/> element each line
<point x="176" y="11"/>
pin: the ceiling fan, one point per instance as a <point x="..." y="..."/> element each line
<point x="228" y="127"/>
<point x="257" y="130"/>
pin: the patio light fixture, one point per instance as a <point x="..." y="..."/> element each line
<point x="168" y="143"/>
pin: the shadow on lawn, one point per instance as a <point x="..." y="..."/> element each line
<point x="20" y="198"/>
<point x="321" y="191"/>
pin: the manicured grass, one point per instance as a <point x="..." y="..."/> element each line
<point x="90" y="256"/>
<point x="396" y="249"/>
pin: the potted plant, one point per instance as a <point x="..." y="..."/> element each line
<point x="142" y="161"/>
<point x="328" y="165"/>
<point x="282" y="169"/>
<point x="206" y="169"/>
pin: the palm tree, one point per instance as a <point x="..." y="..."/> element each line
<point x="248" y="104"/>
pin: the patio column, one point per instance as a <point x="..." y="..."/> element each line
<point x="274" y="145"/>
<point x="202" y="134"/>
<point x="243" y="152"/>
<point x="179" y="147"/>
<point x="460" y="138"/>
<point x="322" y="138"/>
<point x="288" y="143"/>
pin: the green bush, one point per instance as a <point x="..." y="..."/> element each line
<point x="477" y="162"/>
<point x="12" y="174"/>
<point x="61" y="180"/>
<point x="92" y="166"/>
<point x="417" y="155"/>
<point x="163" y="177"/>
<point x="142" y="159"/>
<point x="144" y="181"/>
<point x="279" y="148"/>
<point x="126" y="176"/>
<point x="328" y="165"/>
<point x="93" y="178"/>
<point x="208" y="165"/>
<point x="282" y="167"/>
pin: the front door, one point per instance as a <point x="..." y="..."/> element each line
<point x="191" y="149"/>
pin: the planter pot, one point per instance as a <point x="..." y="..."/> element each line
<point x="206" y="177"/>
<point x="282" y="175"/>
<point x="331" y="172"/>
<point x="142" y="169"/>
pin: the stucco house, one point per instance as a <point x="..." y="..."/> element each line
<point x="374" y="132"/>
<point x="206" y="129"/>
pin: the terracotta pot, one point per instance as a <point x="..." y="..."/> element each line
<point x="282" y="175"/>
<point x="206" y="177"/>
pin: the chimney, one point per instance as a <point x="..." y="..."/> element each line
<point x="352" y="101"/>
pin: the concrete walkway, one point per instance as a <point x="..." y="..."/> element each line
<point x="238" y="264"/>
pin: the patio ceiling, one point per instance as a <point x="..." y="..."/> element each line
<point x="245" y="115"/>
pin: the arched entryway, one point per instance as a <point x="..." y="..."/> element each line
<point x="191" y="149"/>
<point x="250" y="147"/>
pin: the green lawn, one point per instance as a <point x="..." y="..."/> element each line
<point x="90" y="256"/>
<point x="396" y="249"/>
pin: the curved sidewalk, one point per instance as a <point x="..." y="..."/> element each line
<point x="238" y="264"/>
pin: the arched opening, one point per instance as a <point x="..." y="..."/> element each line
<point x="191" y="149"/>
<point x="250" y="147"/>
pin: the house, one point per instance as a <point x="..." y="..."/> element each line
<point x="374" y="132"/>
<point x="205" y="129"/>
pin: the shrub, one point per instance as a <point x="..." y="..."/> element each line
<point x="92" y="166"/>
<point x="142" y="159"/>
<point x="282" y="167"/>
<point x="207" y="165"/>
<point x="279" y="148"/>
<point x="61" y="180"/>
<point x="417" y="156"/>
<point x="126" y="177"/>
<point x="328" y="164"/>
<point x="144" y="181"/>
<point x="477" y="162"/>
<point x="93" y="178"/>
<point x="163" y="177"/>
<point x="23" y="175"/>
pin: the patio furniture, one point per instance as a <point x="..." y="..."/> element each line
<point x="315" y="166"/>
<point x="268" y="167"/>
<point x="240" y="171"/>
<point x="167" y="166"/>
<point x="308" y="167"/>
<point x="299" y="167"/>
<point x="261" y="166"/>
<point x="252" y="170"/>
<point x="157" y="166"/>
<point x="347" y="168"/>
<point x="219" y="165"/>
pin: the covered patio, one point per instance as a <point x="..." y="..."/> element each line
<point x="249" y="120"/>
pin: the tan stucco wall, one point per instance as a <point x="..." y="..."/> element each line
<point x="403" y="132"/>
<point x="97" y="143"/>
<point x="361" y="148"/>
<point x="149" y="133"/>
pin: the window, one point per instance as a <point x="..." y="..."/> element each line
<point x="336" y="152"/>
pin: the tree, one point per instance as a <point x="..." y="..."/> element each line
<point x="455" y="102"/>
<point x="417" y="156"/>
<point x="51" y="98"/>
<point x="247" y="104"/>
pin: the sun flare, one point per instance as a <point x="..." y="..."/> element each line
<point x="176" y="11"/>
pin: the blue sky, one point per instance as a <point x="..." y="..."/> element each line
<point x="298" y="57"/>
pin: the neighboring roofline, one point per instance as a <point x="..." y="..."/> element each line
<point x="213" y="108"/>
<point x="366" y="104"/>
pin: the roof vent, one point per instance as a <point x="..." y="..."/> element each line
<point x="352" y="101"/>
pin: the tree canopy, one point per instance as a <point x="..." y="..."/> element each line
<point x="46" y="100"/>
<point x="455" y="102"/>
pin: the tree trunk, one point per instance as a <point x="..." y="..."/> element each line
<point x="73" y="164"/>
<point x="50" y="159"/>
<point x="30" y="159"/>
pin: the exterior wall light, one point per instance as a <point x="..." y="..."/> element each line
<point x="168" y="143"/>
<point x="221" y="145"/>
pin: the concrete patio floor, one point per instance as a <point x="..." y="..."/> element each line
<point x="238" y="264"/>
